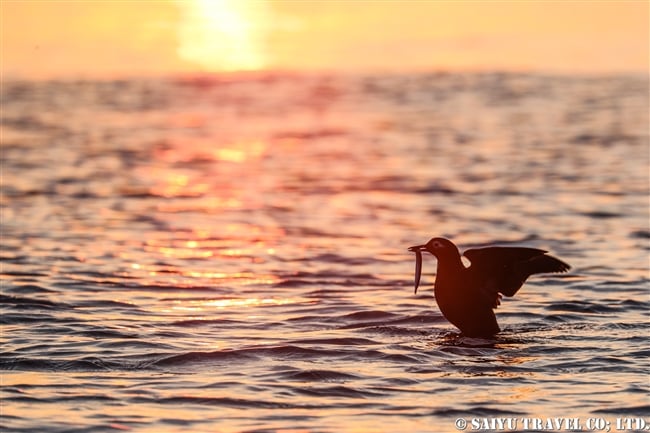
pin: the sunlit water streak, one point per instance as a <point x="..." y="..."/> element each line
<point x="229" y="253"/>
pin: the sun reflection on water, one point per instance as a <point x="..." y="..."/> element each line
<point x="174" y="276"/>
<point x="195" y="305"/>
<point x="206" y="151"/>
<point x="241" y="151"/>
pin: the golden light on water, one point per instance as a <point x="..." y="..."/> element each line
<point x="208" y="304"/>
<point x="226" y="35"/>
<point x="241" y="151"/>
<point x="188" y="150"/>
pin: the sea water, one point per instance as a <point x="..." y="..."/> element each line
<point x="229" y="253"/>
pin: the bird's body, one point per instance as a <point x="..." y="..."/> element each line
<point x="467" y="296"/>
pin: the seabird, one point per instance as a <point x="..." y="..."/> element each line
<point x="467" y="296"/>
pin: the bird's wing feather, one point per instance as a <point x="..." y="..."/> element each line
<point x="488" y="293"/>
<point x="491" y="257"/>
<point x="544" y="264"/>
<point x="505" y="269"/>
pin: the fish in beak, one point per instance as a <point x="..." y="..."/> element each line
<point x="417" y="249"/>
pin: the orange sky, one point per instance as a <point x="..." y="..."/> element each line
<point x="57" y="38"/>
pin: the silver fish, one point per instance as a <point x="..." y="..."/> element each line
<point x="418" y="269"/>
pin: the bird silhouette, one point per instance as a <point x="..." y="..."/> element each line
<point x="467" y="296"/>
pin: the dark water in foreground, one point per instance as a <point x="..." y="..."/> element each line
<point x="229" y="254"/>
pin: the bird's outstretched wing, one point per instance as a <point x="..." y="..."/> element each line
<point x="493" y="257"/>
<point x="505" y="269"/>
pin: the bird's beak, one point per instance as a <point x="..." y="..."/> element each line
<point x="418" y="248"/>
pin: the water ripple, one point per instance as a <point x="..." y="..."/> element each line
<point x="229" y="252"/>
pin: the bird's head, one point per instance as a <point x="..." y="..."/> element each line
<point x="439" y="247"/>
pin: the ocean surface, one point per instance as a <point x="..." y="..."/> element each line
<point x="229" y="253"/>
